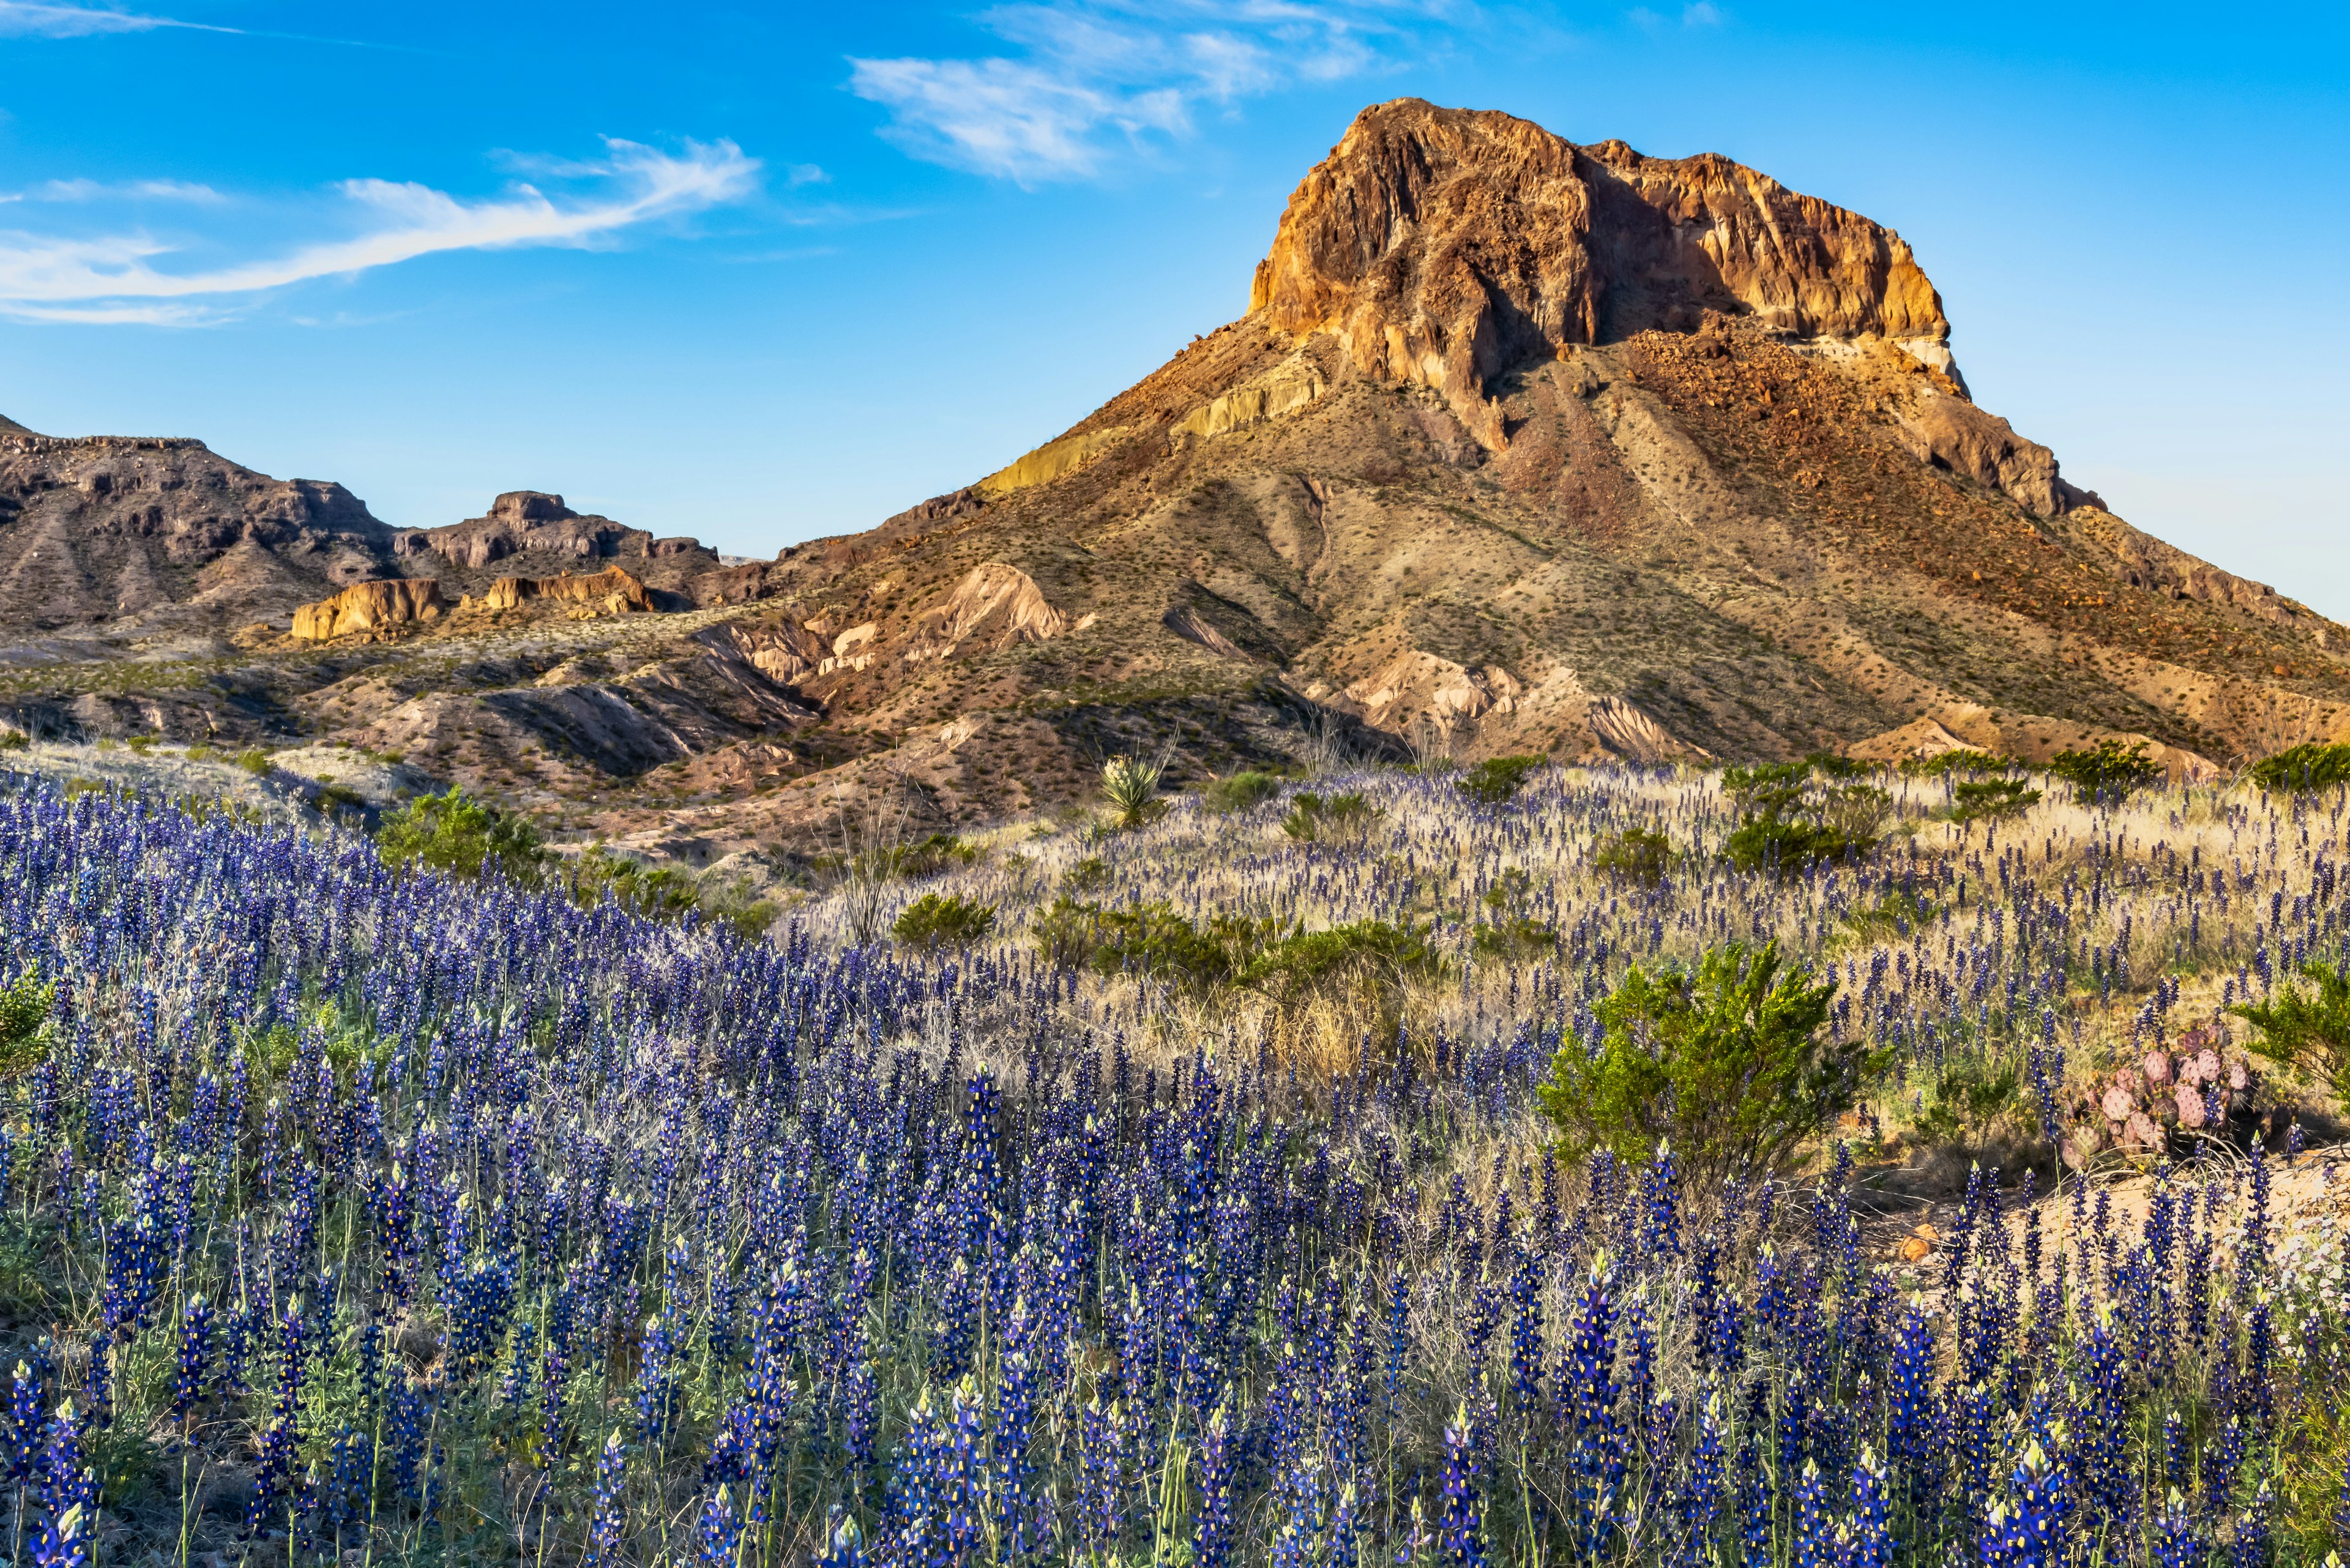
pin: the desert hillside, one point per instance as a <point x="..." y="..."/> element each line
<point x="1521" y="446"/>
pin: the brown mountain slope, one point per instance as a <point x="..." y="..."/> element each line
<point x="1577" y="451"/>
<point x="1522" y="444"/>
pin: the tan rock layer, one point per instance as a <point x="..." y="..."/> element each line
<point x="369" y="607"/>
<point x="1444" y="245"/>
<point x="613" y="587"/>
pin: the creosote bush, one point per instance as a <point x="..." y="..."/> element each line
<point x="1375" y="956"/>
<point x="2312" y="765"/>
<point x="1638" y="854"/>
<point x="941" y="920"/>
<point x="1238" y="791"/>
<point x="2107" y="771"/>
<point x="1961" y="759"/>
<point x="463" y="836"/>
<point x="1724" y="1061"/>
<point x="1980" y="800"/>
<point x="2307" y="1029"/>
<point x="1497" y="779"/>
<point x="1336" y="819"/>
<point x="1790" y="817"/>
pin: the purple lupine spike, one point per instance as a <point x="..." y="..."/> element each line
<point x="607" y="1517"/>
<point x="1460" y="1532"/>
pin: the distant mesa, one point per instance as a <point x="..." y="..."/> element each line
<point x="525" y="520"/>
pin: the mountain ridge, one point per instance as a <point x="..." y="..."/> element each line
<point x="1522" y="446"/>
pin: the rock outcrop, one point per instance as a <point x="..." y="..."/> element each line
<point x="529" y="519"/>
<point x="994" y="604"/>
<point x="369" y="607"/>
<point x="1953" y="433"/>
<point x="1442" y="246"/>
<point x="613" y="590"/>
<point x="135" y="536"/>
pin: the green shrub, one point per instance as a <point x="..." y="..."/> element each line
<point x="454" y="833"/>
<point x="1372" y="958"/>
<point x="253" y="760"/>
<point x="929" y="856"/>
<point x="2106" y="773"/>
<point x="24" y="1033"/>
<point x="1990" y="798"/>
<point x="1497" y="779"/>
<point x="1787" y="821"/>
<point x="1155" y="942"/>
<point x="142" y="745"/>
<point x="1068" y="933"/>
<point x="2306" y="1030"/>
<point x="331" y="796"/>
<point x="1513" y="937"/>
<point x="1958" y="761"/>
<point x="201" y="754"/>
<point x="1634" y="855"/>
<point x="735" y="905"/>
<point x="1724" y="1063"/>
<point x="941" y="920"/>
<point x="1338" y="819"/>
<point x="1834" y="765"/>
<point x="662" y="892"/>
<point x="1507" y="930"/>
<point x="2310" y="766"/>
<point x="13" y="739"/>
<point x="1764" y="787"/>
<point x="1240" y="792"/>
<point x="1087" y="876"/>
<point x="1131" y="787"/>
<point x="1968" y="1099"/>
<point x="1783" y="843"/>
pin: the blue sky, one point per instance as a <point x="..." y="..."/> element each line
<point x="765" y="273"/>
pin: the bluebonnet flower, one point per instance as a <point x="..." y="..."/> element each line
<point x="1867" y="1543"/>
<point x="27" y="1426"/>
<point x="2029" y="1528"/>
<point x="844" y="1543"/>
<point x="189" y="1372"/>
<point x="608" y="1518"/>
<point x="2175" y="1542"/>
<point x="720" y="1532"/>
<point x="1815" y="1544"/>
<point x="1212" y="1532"/>
<point x="1460" y="1534"/>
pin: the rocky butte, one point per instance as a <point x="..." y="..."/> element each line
<point x="1520" y="445"/>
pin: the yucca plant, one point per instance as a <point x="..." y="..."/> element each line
<point x="1130" y="785"/>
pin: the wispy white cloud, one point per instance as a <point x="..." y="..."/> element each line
<point x="1697" y="14"/>
<point x="126" y="189"/>
<point x="1093" y="79"/>
<point x="42" y="19"/>
<point x="128" y="276"/>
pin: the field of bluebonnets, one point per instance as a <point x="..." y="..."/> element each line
<point x="1267" y="1179"/>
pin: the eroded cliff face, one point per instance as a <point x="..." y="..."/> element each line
<point x="523" y="521"/>
<point x="147" y="535"/>
<point x="369" y="607"/>
<point x="1443" y="246"/>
